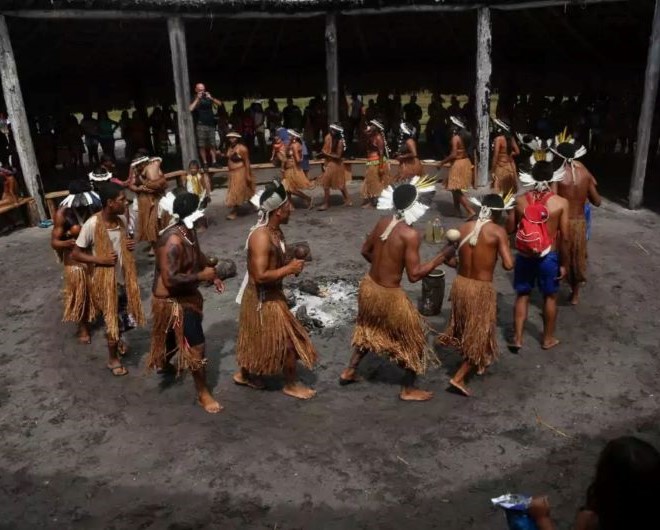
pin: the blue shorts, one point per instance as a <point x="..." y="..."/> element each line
<point x="543" y="272"/>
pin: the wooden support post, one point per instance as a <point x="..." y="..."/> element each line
<point x="177" y="32"/>
<point x="482" y="96"/>
<point x="19" y="122"/>
<point x="636" y="196"/>
<point x="331" y="67"/>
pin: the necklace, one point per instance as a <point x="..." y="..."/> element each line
<point x="185" y="236"/>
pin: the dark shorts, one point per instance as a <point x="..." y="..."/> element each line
<point x="530" y="272"/>
<point x="205" y="135"/>
<point x="192" y="330"/>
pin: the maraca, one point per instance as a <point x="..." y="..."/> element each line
<point x="212" y="261"/>
<point x="452" y="235"/>
<point x="301" y="252"/>
<point x="74" y="231"/>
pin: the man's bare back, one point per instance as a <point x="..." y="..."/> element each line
<point x="478" y="262"/>
<point x="579" y="191"/>
<point x="399" y="251"/>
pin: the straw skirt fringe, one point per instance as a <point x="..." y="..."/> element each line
<point x="77" y="294"/>
<point x="472" y="325"/>
<point x="147" y="228"/>
<point x="460" y="175"/>
<point x="389" y="325"/>
<point x="376" y="179"/>
<point x="240" y="186"/>
<point x="266" y="330"/>
<point x="577" y="251"/>
<point x="505" y="180"/>
<point x="167" y="315"/>
<point x="336" y="175"/>
<point x="410" y="168"/>
<point x="294" y="179"/>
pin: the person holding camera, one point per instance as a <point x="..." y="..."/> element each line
<point x="202" y="109"/>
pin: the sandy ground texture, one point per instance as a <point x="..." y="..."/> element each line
<point x="81" y="449"/>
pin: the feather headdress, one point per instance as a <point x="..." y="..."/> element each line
<point x="166" y="204"/>
<point x="528" y="180"/>
<point x="404" y="200"/>
<point x="405" y="130"/>
<point x="567" y="148"/>
<point x="541" y="149"/>
<point x="456" y="121"/>
<point x="84" y="199"/>
<point x="485" y="215"/>
<point x="502" y="125"/>
<point x="99" y="175"/>
<point x="139" y="161"/>
<point x="377" y="124"/>
<point x="336" y="127"/>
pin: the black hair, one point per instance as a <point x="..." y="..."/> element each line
<point x="542" y="171"/>
<point x="626" y="489"/>
<point x="404" y="195"/>
<point x="193" y="163"/>
<point x="179" y="190"/>
<point x="108" y="191"/>
<point x="79" y="186"/>
<point x="141" y="152"/>
<point x="272" y="188"/>
<point x="466" y="138"/>
<point x="567" y="149"/>
<point x="185" y="204"/>
<point x="493" y="200"/>
<point x="106" y="158"/>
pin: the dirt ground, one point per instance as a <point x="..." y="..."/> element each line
<point x="81" y="449"/>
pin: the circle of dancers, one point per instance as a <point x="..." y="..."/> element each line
<point x="96" y="231"/>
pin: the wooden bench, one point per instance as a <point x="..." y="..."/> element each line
<point x="31" y="216"/>
<point x="53" y="200"/>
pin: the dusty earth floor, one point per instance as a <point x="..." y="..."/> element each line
<point x="81" y="449"/>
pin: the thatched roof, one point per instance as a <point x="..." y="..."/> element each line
<point x="110" y="63"/>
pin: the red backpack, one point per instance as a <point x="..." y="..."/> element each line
<point x="532" y="236"/>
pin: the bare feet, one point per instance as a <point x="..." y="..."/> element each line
<point x="310" y="203"/>
<point x="367" y="205"/>
<point x="122" y="349"/>
<point x="460" y="387"/>
<point x="231" y="216"/>
<point x="117" y="370"/>
<point x="84" y="338"/>
<point x="514" y="347"/>
<point x="209" y="404"/>
<point x="348" y="203"/>
<point x="349" y="376"/>
<point x="323" y="208"/>
<point x="549" y="344"/>
<point x="252" y="382"/>
<point x="575" y="298"/>
<point x="415" y="394"/>
<point x="299" y="391"/>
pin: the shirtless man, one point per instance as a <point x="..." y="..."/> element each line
<point x="335" y="176"/>
<point x="387" y="323"/>
<point x="461" y="172"/>
<point x="149" y="185"/>
<point x="503" y="170"/>
<point x="409" y="164"/>
<point x="376" y="176"/>
<point x="270" y="339"/>
<point x="74" y="211"/>
<point x="577" y="187"/>
<point x="544" y="270"/>
<point x="472" y="325"/>
<point x="177" y="304"/>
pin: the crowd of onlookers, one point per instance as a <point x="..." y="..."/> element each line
<point x="604" y="124"/>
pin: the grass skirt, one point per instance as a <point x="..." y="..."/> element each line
<point x="336" y="175"/>
<point x="266" y="330"/>
<point x="389" y="325"/>
<point x="240" y="187"/>
<point x="376" y="179"/>
<point x="505" y="180"/>
<point x="460" y="175"/>
<point x="577" y="251"/>
<point x="77" y="294"/>
<point x="409" y="168"/>
<point x="294" y="179"/>
<point x="166" y="316"/>
<point x="147" y="222"/>
<point x="472" y="325"/>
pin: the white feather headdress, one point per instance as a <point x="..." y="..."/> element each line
<point x="99" y="176"/>
<point x="541" y="149"/>
<point x="502" y="124"/>
<point x="528" y="181"/>
<point x="485" y="215"/>
<point x="565" y="139"/>
<point x="456" y="121"/>
<point x="412" y="212"/>
<point x="79" y="200"/>
<point x="139" y="161"/>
